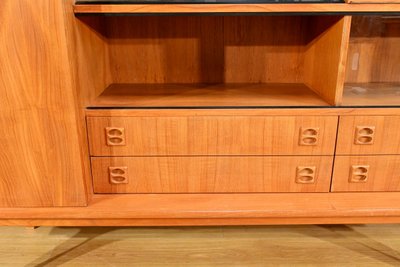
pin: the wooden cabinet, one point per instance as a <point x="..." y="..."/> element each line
<point x="239" y="174"/>
<point x="368" y="135"/>
<point x="212" y="135"/>
<point x="208" y="120"/>
<point x="366" y="173"/>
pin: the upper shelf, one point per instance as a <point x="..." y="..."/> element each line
<point x="208" y="95"/>
<point x="152" y="8"/>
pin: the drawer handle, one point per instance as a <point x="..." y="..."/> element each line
<point x="308" y="136"/>
<point x="115" y="136"/>
<point x="359" y="174"/>
<point x="118" y="175"/>
<point x="364" y="135"/>
<point x="305" y="175"/>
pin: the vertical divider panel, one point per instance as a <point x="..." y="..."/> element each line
<point x="326" y="56"/>
<point x="41" y="163"/>
<point x="89" y="63"/>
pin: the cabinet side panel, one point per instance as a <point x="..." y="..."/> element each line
<point x="326" y="55"/>
<point x="40" y="159"/>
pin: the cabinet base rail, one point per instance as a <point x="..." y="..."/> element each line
<point x="215" y="209"/>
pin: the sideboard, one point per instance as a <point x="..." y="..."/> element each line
<point x="146" y="114"/>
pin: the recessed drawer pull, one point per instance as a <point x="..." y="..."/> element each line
<point x="364" y="135"/>
<point x="359" y="174"/>
<point x="308" y="136"/>
<point x="118" y="175"/>
<point x="305" y="175"/>
<point x="115" y="136"/>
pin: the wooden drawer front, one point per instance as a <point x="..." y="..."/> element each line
<point x="366" y="173"/>
<point x="359" y="135"/>
<point x="211" y="174"/>
<point x="212" y="135"/>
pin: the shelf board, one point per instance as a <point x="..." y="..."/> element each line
<point x="215" y="209"/>
<point x="233" y="8"/>
<point x="207" y="95"/>
<point x="371" y="94"/>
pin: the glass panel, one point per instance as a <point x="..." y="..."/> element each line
<point x="373" y="66"/>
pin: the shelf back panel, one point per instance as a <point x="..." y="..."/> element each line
<point x="206" y="49"/>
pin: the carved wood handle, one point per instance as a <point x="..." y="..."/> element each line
<point x="364" y="135"/>
<point x="305" y="174"/>
<point x="308" y="136"/>
<point x="115" y="136"/>
<point x="359" y="174"/>
<point x="118" y="175"/>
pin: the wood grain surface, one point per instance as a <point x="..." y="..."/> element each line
<point x="208" y="95"/>
<point x="140" y="112"/>
<point x="236" y="8"/>
<point x="383" y="173"/>
<point x="326" y="57"/>
<point x="365" y="245"/>
<point x="386" y="135"/>
<point x="213" y="135"/>
<point x="40" y="157"/>
<point x="216" y="209"/>
<point x="230" y="49"/>
<point x="214" y="174"/>
<point x="210" y="49"/>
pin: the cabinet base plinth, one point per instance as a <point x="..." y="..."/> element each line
<point x="215" y="209"/>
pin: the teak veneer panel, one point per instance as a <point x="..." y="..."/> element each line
<point x="235" y="8"/>
<point x="284" y="111"/>
<point x="212" y="135"/>
<point x="90" y="57"/>
<point x="210" y="49"/>
<point x="386" y="135"/>
<point x="326" y="57"/>
<point x="41" y="163"/>
<point x="382" y="173"/>
<point x="207" y="95"/>
<point x="264" y="49"/>
<point x="229" y="49"/>
<point x="213" y="174"/>
<point x="217" y="209"/>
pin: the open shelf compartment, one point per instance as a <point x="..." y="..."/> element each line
<point x="214" y="61"/>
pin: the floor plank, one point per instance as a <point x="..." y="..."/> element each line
<point x="340" y="245"/>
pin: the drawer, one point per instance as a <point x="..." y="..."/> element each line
<point x="361" y="135"/>
<point x="366" y="173"/>
<point x="212" y="135"/>
<point x="218" y="174"/>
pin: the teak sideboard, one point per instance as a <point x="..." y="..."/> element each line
<point x="199" y="114"/>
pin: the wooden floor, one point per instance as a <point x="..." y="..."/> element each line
<point x="341" y="245"/>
